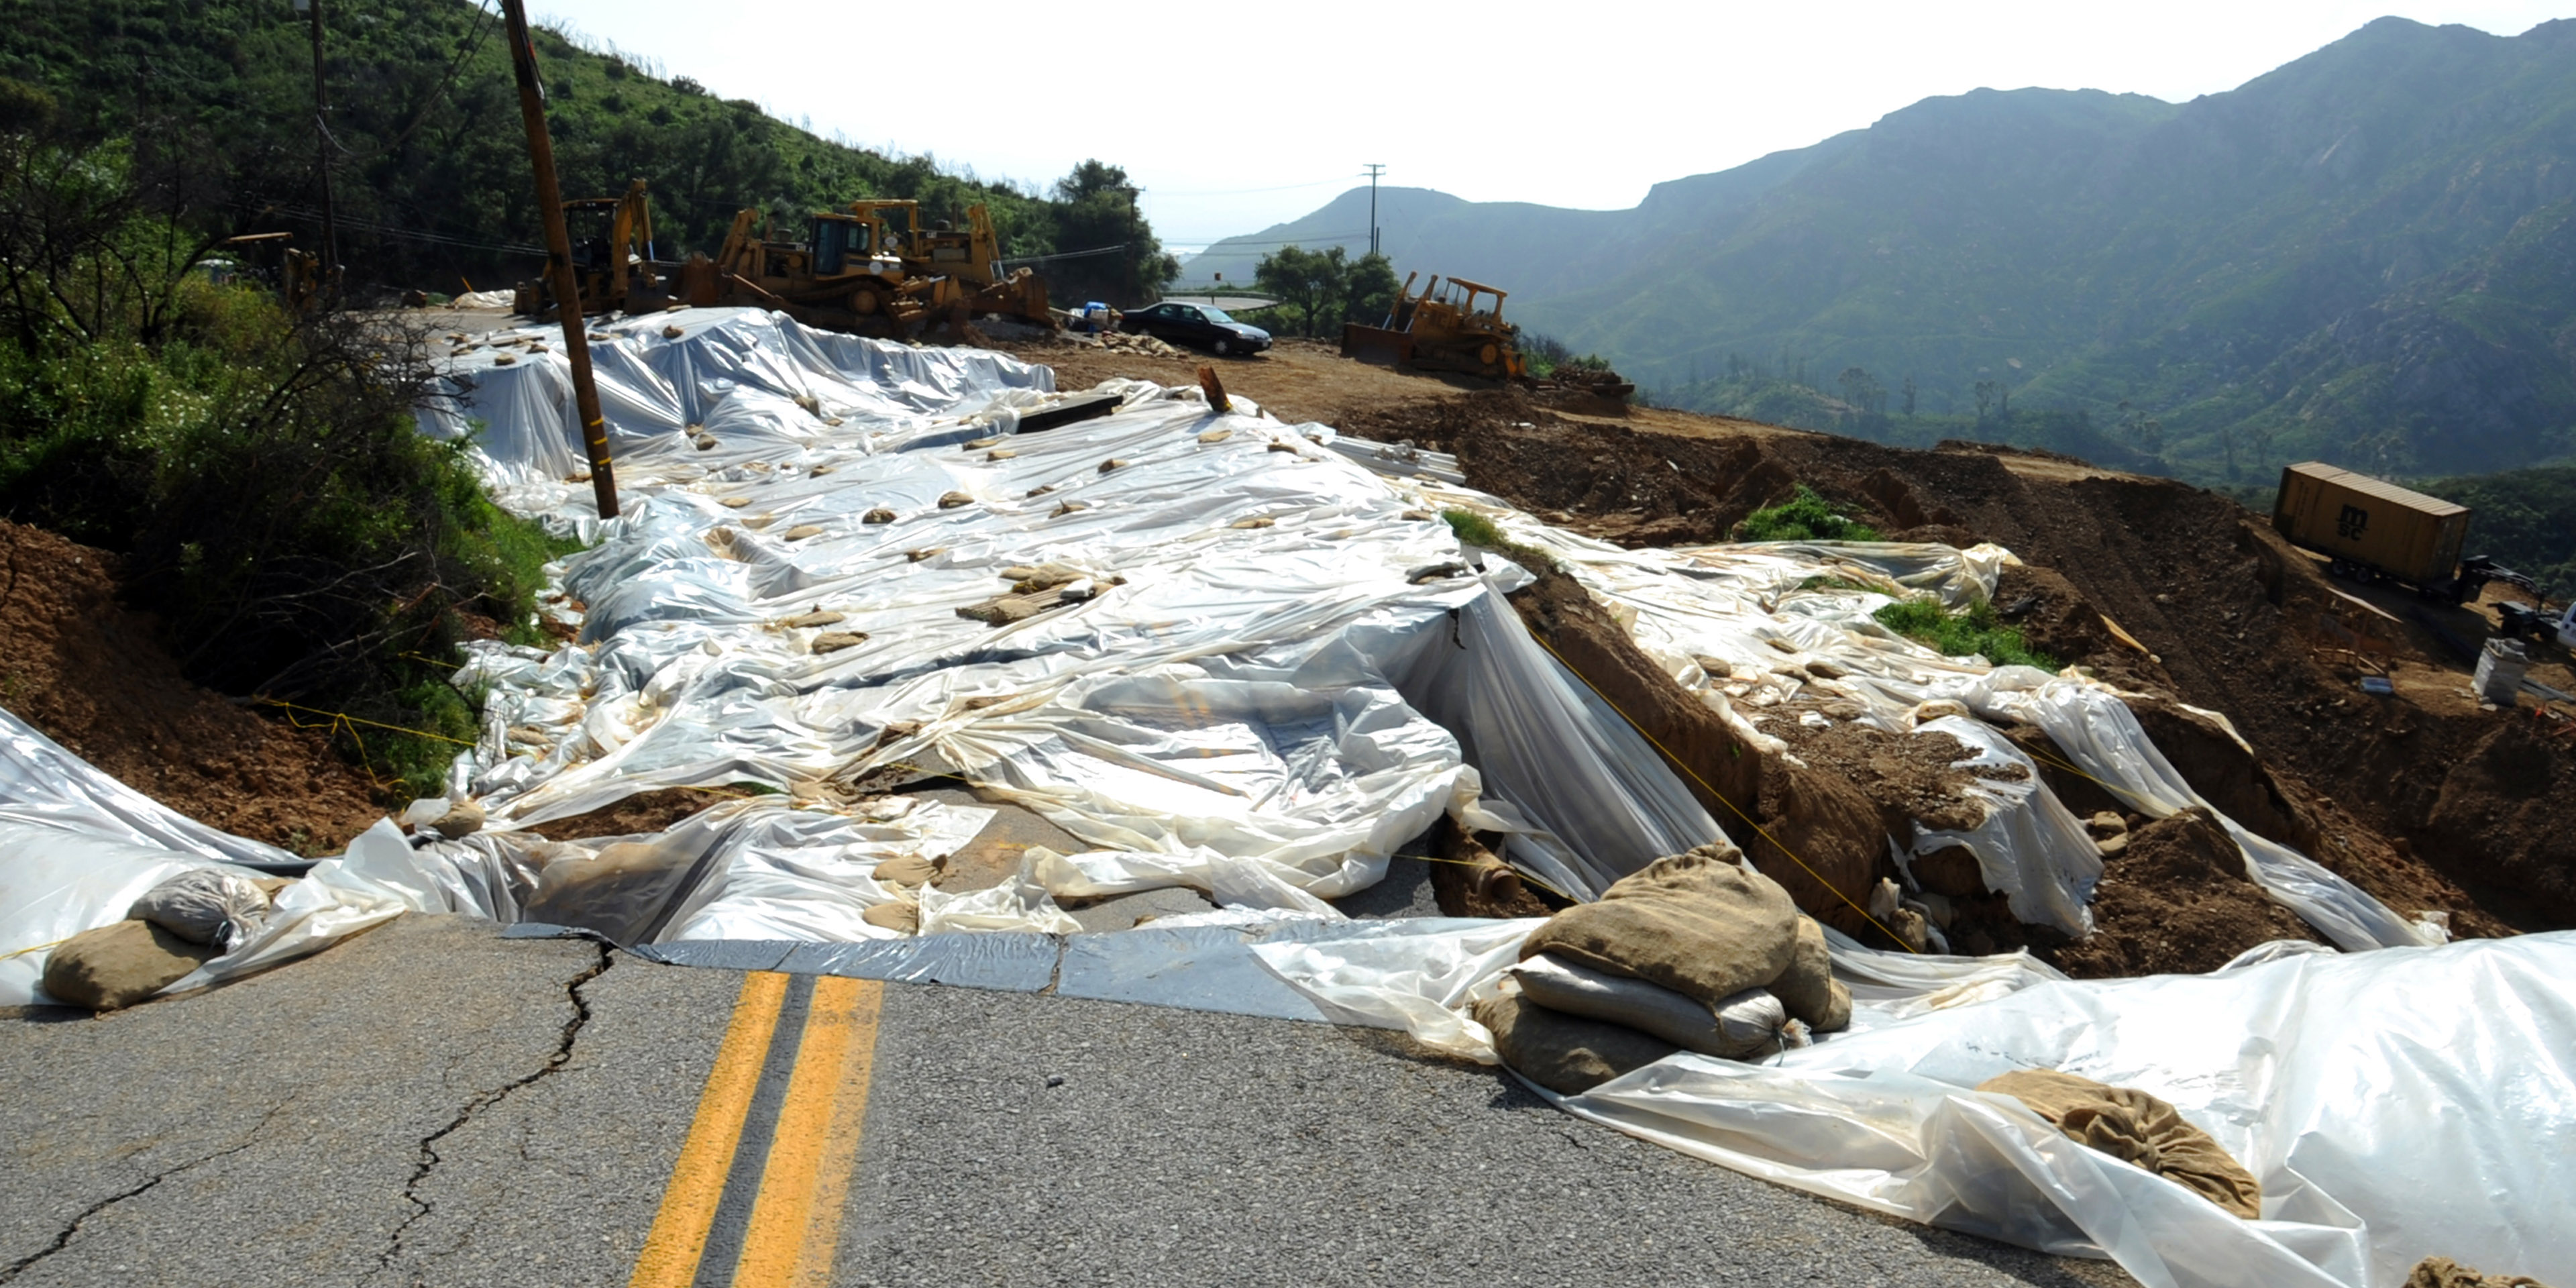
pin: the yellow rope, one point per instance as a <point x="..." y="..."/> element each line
<point x="345" y="717"/>
<point x="36" y="948"/>
<point x="1705" y="785"/>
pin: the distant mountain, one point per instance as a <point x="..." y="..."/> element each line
<point x="2368" y="255"/>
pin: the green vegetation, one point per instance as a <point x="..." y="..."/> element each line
<point x="1476" y="530"/>
<point x="1320" y="290"/>
<point x="1976" y="631"/>
<point x="2525" y="520"/>
<point x="429" y="163"/>
<point x="1805" y="516"/>
<point x="1547" y="355"/>
<point x="259" y="472"/>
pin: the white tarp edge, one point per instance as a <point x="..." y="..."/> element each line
<point x="2394" y="1105"/>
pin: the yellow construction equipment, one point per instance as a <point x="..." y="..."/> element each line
<point x="297" y="273"/>
<point x="1449" y="327"/>
<point x="873" y="270"/>
<point x="612" y="257"/>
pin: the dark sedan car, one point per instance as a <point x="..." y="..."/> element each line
<point x="1197" y="325"/>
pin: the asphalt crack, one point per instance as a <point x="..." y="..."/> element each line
<point x="71" y="1230"/>
<point x="429" y="1158"/>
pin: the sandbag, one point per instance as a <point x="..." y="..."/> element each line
<point x="205" y="906"/>
<point x="1698" y="923"/>
<point x="1808" y="988"/>
<point x="1747" y="1024"/>
<point x="2442" y="1272"/>
<point x="1566" y="1054"/>
<point x="119" y="964"/>
<point x="2136" y="1128"/>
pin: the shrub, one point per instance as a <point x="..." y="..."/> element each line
<point x="1805" y="516"/>
<point x="1975" y="631"/>
<point x="260" y="471"/>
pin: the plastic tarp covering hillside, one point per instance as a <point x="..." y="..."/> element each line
<point x="1232" y="697"/>
<point x="2395" y="1104"/>
<point x="1752" y="607"/>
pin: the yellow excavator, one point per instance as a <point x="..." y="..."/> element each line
<point x="873" y="270"/>
<point x="1451" y="326"/>
<point x="612" y="257"/>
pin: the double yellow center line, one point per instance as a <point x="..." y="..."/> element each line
<point x="755" y="1200"/>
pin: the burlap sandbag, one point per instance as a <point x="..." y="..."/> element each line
<point x="1697" y="923"/>
<point x="2442" y="1272"/>
<point x="119" y="964"/>
<point x="2135" y="1128"/>
<point x="1564" y="1053"/>
<point x="1808" y="987"/>
<point x="1751" y="1023"/>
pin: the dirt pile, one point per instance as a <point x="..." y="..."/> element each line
<point x="2174" y="901"/>
<point x="95" y="678"/>
<point x="2161" y="588"/>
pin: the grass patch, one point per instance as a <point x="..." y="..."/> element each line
<point x="1476" y="530"/>
<point x="1975" y="631"/>
<point x="1805" y="516"/>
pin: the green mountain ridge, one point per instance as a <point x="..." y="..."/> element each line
<point x="2364" y="256"/>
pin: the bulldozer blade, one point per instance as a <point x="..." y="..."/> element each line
<point x="1376" y="344"/>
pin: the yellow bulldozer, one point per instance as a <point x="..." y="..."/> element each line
<point x="876" y="271"/>
<point x="1451" y="326"/>
<point x="873" y="269"/>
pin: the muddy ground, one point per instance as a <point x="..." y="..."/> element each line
<point x="101" y="681"/>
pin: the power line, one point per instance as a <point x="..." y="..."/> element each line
<point x="1282" y="241"/>
<point x="1064" y="254"/>
<point x="1240" y="192"/>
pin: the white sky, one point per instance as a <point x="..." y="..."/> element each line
<point x="1237" y="116"/>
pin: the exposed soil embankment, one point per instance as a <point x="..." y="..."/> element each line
<point x="2427" y="806"/>
<point x="95" y="678"/>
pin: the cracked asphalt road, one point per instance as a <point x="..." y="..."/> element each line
<point x="430" y="1104"/>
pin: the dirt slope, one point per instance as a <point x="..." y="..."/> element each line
<point x="2421" y="799"/>
<point x="93" y="677"/>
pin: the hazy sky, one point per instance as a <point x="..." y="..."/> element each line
<point x="1236" y="116"/>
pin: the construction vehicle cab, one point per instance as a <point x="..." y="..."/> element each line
<point x="1456" y="325"/>
<point x="612" y="258"/>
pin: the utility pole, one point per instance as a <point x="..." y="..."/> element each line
<point x="567" y="286"/>
<point x="322" y="154"/>
<point x="1375" y="169"/>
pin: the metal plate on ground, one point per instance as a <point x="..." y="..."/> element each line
<point x="1008" y="961"/>
<point x="1199" y="968"/>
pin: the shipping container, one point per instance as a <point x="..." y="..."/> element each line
<point x="2373" y="529"/>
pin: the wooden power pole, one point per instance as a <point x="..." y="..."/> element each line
<point x="559" y="270"/>
<point x="330" y="262"/>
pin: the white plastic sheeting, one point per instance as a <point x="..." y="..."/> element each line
<point x="77" y="848"/>
<point x="2395" y="1104"/>
<point x="1751" y="607"/>
<point x="1240" y="706"/>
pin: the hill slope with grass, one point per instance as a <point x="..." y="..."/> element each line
<point x="428" y="160"/>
